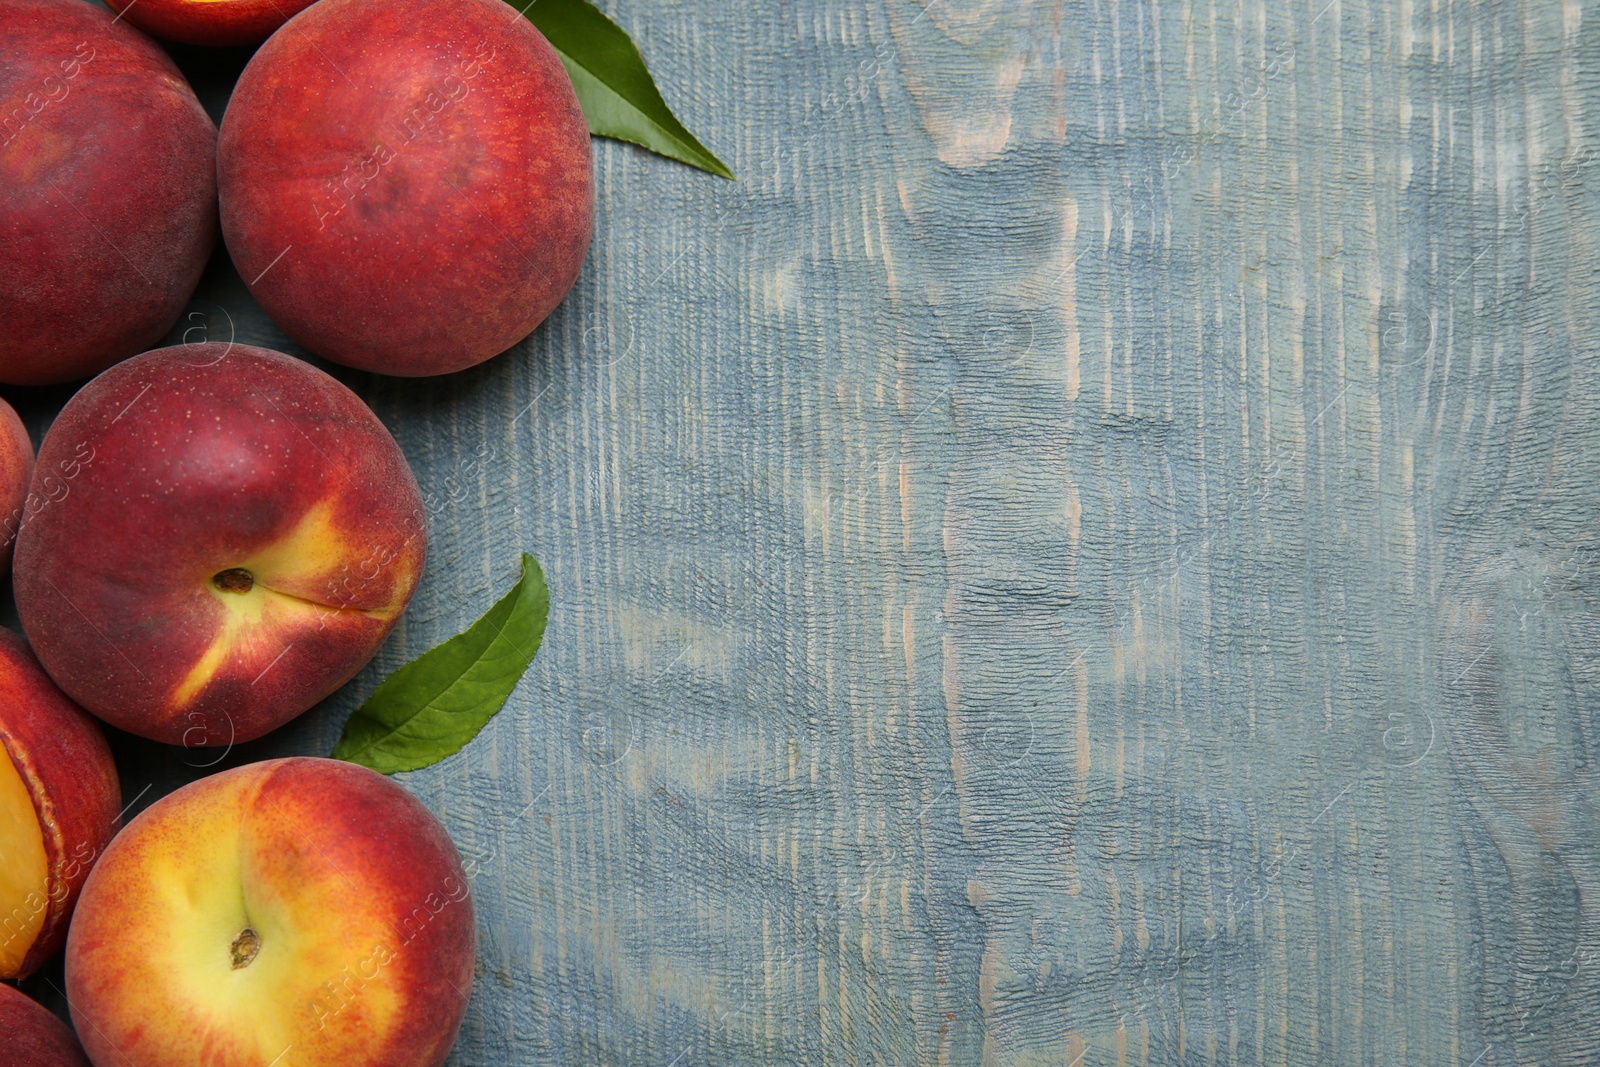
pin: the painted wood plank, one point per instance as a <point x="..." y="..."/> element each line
<point x="1084" y="555"/>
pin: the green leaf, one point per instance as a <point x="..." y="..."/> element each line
<point x="618" y="96"/>
<point x="431" y="707"/>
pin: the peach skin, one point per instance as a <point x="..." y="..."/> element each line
<point x="34" y="1037"/>
<point x="108" y="191"/>
<point x="298" y="911"/>
<point x="239" y="536"/>
<point x="406" y="185"/>
<point x="209" y="22"/>
<point x="16" y="471"/>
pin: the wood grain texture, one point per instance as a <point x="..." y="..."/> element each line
<point x="1086" y="554"/>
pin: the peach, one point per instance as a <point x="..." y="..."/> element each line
<point x="107" y="191"/>
<point x="59" y="803"/>
<point x="34" y="1037"/>
<point x="16" y="470"/>
<point x="406" y="185"/>
<point x="298" y="911"/>
<point x="209" y="22"/>
<point x="236" y="535"/>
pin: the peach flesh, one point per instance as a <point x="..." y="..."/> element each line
<point x="24" y="876"/>
<point x="58" y="791"/>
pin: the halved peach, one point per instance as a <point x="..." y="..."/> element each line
<point x="59" y="805"/>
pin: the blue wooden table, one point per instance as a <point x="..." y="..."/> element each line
<point x="1085" y="554"/>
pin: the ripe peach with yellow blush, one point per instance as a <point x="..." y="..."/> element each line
<point x="256" y="533"/>
<point x="297" y="911"/>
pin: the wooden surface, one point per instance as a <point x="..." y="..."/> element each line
<point x="1086" y="554"/>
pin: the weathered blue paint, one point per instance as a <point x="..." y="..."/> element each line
<point x="1085" y="554"/>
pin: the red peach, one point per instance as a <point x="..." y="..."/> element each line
<point x="16" y="469"/>
<point x="209" y="22"/>
<point x="406" y="184"/>
<point x="107" y="191"/>
<point x="236" y="535"/>
<point x="34" y="1037"/>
